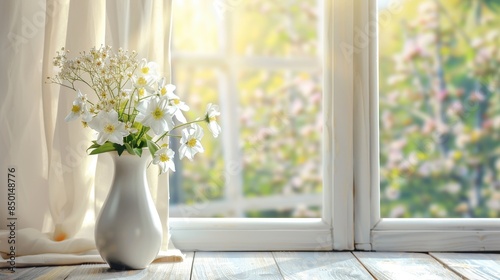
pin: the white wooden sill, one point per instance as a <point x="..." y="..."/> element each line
<point x="425" y="235"/>
<point x="251" y="234"/>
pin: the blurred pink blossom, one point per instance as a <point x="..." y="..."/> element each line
<point x="428" y="15"/>
<point x="306" y="86"/>
<point x="484" y="55"/>
<point x="297" y="107"/>
<point x="387" y="120"/>
<point x="441" y="94"/>
<point x="316" y="98"/>
<point x="398" y="212"/>
<point x="457" y="106"/>
<point x="411" y="50"/>
<point x="477" y="96"/>
<point x="392" y="193"/>
<point x="429" y="126"/>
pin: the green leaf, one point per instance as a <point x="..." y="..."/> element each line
<point x="138" y="151"/>
<point x="129" y="148"/>
<point x="125" y="117"/>
<point x="106" y="147"/>
<point x="153" y="147"/>
<point x="93" y="146"/>
<point x="119" y="149"/>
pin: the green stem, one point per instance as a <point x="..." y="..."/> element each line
<point x="166" y="134"/>
<point x="184" y="124"/>
<point x="177" y="126"/>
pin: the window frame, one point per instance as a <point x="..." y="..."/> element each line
<point x="395" y="234"/>
<point x="334" y="230"/>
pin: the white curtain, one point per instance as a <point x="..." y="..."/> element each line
<point x="59" y="189"/>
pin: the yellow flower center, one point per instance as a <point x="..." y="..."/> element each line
<point x="141" y="92"/>
<point x="191" y="143"/>
<point x="157" y="113"/>
<point x="164" y="158"/>
<point x="145" y="70"/>
<point x="212" y="119"/>
<point x="141" y="81"/>
<point x="176" y="101"/>
<point x="163" y="91"/>
<point x="109" y="128"/>
<point x="75" y="109"/>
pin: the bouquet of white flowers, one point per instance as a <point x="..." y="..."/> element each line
<point x="134" y="107"/>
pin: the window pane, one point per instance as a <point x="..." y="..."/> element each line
<point x="200" y="180"/>
<point x="439" y="108"/>
<point x="276" y="28"/>
<point x="281" y="129"/>
<point x="194" y="26"/>
<point x="267" y="161"/>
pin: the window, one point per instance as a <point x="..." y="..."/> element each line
<point x="413" y="136"/>
<point x="292" y="59"/>
<point x="353" y="162"/>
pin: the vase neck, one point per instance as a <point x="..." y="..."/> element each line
<point x="129" y="163"/>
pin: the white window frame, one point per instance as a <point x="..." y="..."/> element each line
<point x="334" y="230"/>
<point x="387" y="234"/>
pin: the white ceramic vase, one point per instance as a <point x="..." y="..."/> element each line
<point x="128" y="230"/>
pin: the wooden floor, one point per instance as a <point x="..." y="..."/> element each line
<point x="290" y="265"/>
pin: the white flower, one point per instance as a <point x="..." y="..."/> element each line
<point x="164" y="87"/>
<point x="82" y="96"/>
<point x="143" y="85"/>
<point x="147" y="69"/>
<point x="167" y="90"/>
<point x="177" y="106"/>
<point x="146" y="75"/>
<point x="211" y="118"/>
<point x="164" y="159"/>
<point x="108" y="127"/>
<point x="154" y="112"/>
<point x="78" y="109"/>
<point x="190" y="142"/>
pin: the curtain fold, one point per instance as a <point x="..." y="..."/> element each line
<point x="59" y="188"/>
